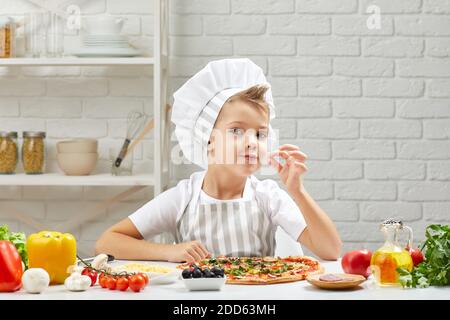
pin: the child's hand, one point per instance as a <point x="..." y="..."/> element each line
<point x="187" y="252"/>
<point x="290" y="173"/>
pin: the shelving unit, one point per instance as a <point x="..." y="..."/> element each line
<point x="74" y="61"/>
<point x="159" y="178"/>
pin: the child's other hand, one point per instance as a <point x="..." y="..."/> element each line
<point x="187" y="252"/>
<point x="294" y="166"/>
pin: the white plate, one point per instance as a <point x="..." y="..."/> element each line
<point x="204" y="284"/>
<point x="106" y="52"/>
<point x="104" y="37"/>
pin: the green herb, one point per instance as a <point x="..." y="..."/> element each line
<point x="236" y="262"/>
<point x="435" y="270"/>
<point x="18" y="239"/>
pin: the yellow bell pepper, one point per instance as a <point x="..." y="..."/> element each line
<point x="52" y="251"/>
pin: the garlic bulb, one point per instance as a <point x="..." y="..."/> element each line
<point x="35" y="280"/>
<point x="77" y="282"/>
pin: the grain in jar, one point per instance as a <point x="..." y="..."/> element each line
<point x="33" y="152"/>
<point x="8" y="152"/>
<point x="7" y="36"/>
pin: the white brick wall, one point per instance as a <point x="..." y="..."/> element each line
<point x="371" y="108"/>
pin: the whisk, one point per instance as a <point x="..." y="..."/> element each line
<point x="135" y="123"/>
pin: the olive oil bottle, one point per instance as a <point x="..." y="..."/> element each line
<point x="391" y="255"/>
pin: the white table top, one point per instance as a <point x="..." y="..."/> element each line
<point x="300" y="290"/>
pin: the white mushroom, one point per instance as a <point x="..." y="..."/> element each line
<point x="35" y="280"/>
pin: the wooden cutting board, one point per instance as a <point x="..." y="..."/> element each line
<point x="348" y="281"/>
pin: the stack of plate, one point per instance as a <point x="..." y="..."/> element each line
<point x="108" y="41"/>
<point x="105" y="45"/>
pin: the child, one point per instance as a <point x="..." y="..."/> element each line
<point x="222" y="117"/>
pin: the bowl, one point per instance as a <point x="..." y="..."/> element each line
<point x="164" y="278"/>
<point x="77" y="164"/>
<point x="204" y="284"/>
<point x="103" y="25"/>
<point x="77" y="146"/>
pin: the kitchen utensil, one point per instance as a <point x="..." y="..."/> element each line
<point x="391" y="255"/>
<point x="149" y="126"/>
<point x="126" y="166"/>
<point x="135" y="122"/>
<point x="77" y="164"/>
<point x="349" y="281"/>
<point x="89" y="260"/>
<point x="77" y="146"/>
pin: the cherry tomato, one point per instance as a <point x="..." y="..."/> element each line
<point x="91" y="274"/>
<point x="416" y="255"/>
<point x="145" y="276"/>
<point x="102" y="280"/>
<point x="122" y="283"/>
<point x="137" y="283"/>
<point x="111" y="283"/>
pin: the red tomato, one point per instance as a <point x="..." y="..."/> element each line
<point x="416" y="255"/>
<point x="111" y="283"/>
<point x="10" y="267"/>
<point x="357" y="262"/>
<point x="137" y="283"/>
<point x="91" y="274"/>
<point x="102" y="280"/>
<point x="145" y="276"/>
<point x="122" y="283"/>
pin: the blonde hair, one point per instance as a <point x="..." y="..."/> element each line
<point x="254" y="95"/>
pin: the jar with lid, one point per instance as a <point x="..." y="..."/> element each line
<point x="33" y="152"/>
<point x="9" y="152"/>
<point x="7" y="37"/>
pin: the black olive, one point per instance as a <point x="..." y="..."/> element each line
<point x="186" y="274"/>
<point x="216" y="270"/>
<point x="197" y="273"/>
<point x="207" y="273"/>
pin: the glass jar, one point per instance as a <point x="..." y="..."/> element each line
<point x="9" y="152"/>
<point x="33" y="152"/>
<point x="391" y="255"/>
<point x="7" y="37"/>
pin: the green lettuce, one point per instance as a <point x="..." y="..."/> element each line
<point x="18" y="239"/>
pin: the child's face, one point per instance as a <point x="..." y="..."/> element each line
<point x="239" y="138"/>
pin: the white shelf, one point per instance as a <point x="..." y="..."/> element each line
<point x="56" y="179"/>
<point x="73" y="61"/>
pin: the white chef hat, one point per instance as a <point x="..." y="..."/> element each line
<point x="198" y="103"/>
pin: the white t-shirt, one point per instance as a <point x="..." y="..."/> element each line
<point x="162" y="213"/>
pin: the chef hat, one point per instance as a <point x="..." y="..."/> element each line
<point x="198" y="102"/>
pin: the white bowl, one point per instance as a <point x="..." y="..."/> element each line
<point x="77" y="164"/>
<point x="204" y="284"/>
<point x="164" y="278"/>
<point x="77" y="146"/>
<point x="103" y="25"/>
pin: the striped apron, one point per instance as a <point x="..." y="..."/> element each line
<point x="231" y="228"/>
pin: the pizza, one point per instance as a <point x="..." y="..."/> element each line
<point x="261" y="270"/>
